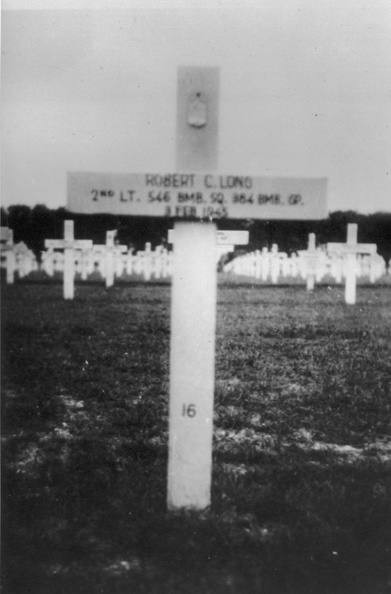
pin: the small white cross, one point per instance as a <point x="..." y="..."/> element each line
<point x="350" y="250"/>
<point x="110" y="249"/>
<point x="68" y="244"/>
<point x="311" y="256"/>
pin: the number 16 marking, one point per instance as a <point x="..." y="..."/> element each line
<point x="189" y="410"/>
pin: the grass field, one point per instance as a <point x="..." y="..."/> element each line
<point x="301" y="497"/>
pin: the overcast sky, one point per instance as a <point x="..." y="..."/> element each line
<point x="305" y="91"/>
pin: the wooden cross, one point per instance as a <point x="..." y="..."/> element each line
<point x="350" y="250"/>
<point x="195" y="191"/>
<point x="68" y="244"/>
<point x="193" y="305"/>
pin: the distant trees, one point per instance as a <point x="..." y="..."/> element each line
<point x="34" y="225"/>
<point x="3" y="217"/>
<point x="291" y="236"/>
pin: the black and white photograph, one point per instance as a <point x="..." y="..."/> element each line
<point x="195" y="297"/>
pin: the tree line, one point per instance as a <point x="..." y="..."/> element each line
<point x="34" y="225"/>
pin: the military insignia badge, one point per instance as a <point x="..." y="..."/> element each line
<point x="197" y="112"/>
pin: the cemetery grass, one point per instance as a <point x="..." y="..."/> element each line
<point x="301" y="455"/>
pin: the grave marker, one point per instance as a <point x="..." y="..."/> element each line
<point x="108" y="251"/>
<point x="25" y="260"/>
<point x="193" y="305"/>
<point x="86" y="263"/>
<point x="68" y="244"/>
<point x="350" y="250"/>
<point x="274" y="264"/>
<point x="110" y="235"/>
<point x="195" y="193"/>
<point x="111" y="250"/>
<point x="311" y="258"/>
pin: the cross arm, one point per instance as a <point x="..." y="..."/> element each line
<point x="120" y="248"/>
<point x="357" y="248"/>
<point x="62" y="244"/>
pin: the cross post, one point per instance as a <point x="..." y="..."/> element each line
<point x="193" y="304"/>
<point x="311" y="257"/>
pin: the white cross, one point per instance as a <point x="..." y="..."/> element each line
<point x="110" y="249"/>
<point x="350" y="250"/>
<point x="68" y="244"/>
<point x="311" y="256"/>
<point x="196" y="195"/>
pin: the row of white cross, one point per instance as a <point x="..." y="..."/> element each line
<point x="109" y="260"/>
<point x="341" y="260"/>
<point x="269" y="266"/>
<point x="110" y="264"/>
<point x="313" y="266"/>
<point x="278" y="266"/>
